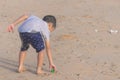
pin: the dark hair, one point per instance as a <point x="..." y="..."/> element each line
<point x="51" y="19"/>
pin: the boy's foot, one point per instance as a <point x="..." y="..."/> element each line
<point x="21" y="69"/>
<point x="42" y="73"/>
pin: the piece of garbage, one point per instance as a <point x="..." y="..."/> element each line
<point x="113" y="31"/>
<point x="52" y="70"/>
<point x="96" y="30"/>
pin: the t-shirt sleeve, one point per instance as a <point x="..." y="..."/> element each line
<point x="46" y="35"/>
<point x="45" y="31"/>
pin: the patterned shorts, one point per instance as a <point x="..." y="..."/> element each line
<point x="33" y="39"/>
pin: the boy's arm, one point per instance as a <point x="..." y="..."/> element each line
<point x="20" y="19"/>
<point x="49" y="54"/>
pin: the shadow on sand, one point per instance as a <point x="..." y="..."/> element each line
<point x="12" y="65"/>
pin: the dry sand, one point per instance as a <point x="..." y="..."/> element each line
<point x="82" y="45"/>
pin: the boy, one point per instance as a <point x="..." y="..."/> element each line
<point x="35" y="32"/>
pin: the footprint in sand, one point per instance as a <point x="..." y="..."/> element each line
<point x="87" y="16"/>
<point x="67" y="37"/>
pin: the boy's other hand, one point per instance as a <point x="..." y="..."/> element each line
<point x="52" y="66"/>
<point x="10" y="28"/>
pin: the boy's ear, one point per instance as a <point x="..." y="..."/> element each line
<point x="50" y="24"/>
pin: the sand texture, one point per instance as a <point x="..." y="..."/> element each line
<point x="85" y="45"/>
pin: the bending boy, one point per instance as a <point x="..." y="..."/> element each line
<point x="35" y="32"/>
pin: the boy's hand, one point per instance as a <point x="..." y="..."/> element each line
<point x="52" y="66"/>
<point x="10" y="28"/>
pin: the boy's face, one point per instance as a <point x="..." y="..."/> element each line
<point x="51" y="28"/>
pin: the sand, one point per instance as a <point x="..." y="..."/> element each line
<point x="83" y="46"/>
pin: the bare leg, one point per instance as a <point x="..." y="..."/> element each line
<point x="40" y="62"/>
<point x="22" y="56"/>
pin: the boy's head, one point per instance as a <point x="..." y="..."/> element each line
<point x="51" y="20"/>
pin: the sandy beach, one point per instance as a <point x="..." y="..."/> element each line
<point x="85" y="45"/>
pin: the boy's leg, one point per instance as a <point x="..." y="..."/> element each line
<point x="25" y="45"/>
<point x="40" y="62"/>
<point x="37" y="43"/>
<point x="22" y="56"/>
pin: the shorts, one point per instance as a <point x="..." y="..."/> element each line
<point x="33" y="39"/>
